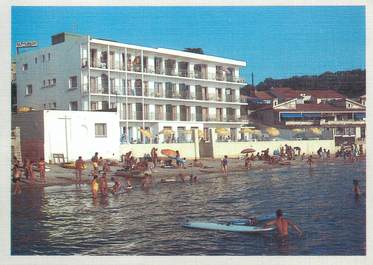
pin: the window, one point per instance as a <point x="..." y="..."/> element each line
<point x="73" y="105"/>
<point x="44" y="83"/>
<point x="43" y="58"/>
<point x="54" y="81"/>
<point x="24" y="67"/>
<point x="93" y="105"/>
<point x="73" y="82"/>
<point x="28" y="90"/>
<point x="49" y="56"/>
<point x="36" y="60"/>
<point x="100" y="130"/>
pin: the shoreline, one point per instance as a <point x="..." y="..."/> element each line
<point x="59" y="176"/>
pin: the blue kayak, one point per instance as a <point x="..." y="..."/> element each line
<point x="227" y="227"/>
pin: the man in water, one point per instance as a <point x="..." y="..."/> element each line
<point x="282" y="224"/>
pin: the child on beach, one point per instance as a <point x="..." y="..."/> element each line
<point x="16" y="179"/>
<point x="94" y="186"/>
<point x="41" y="166"/>
<point x="79" y="166"/>
<point x="309" y="161"/>
<point x="224" y="165"/>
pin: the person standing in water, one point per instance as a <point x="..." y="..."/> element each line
<point x="224" y="165"/>
<point x="16" y="179"/>
<point x="79" y="166"/>
<point x="282" y="224"/>
<point x="94" y="186"/>
<point x="41" y="166"/>
<point x="356" y="188"/>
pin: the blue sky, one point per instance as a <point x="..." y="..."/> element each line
<point x="275" y="42"/>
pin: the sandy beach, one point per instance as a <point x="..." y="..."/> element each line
<point x="59" y="176"/>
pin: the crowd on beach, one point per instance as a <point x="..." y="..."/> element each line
<point x="143" y="167"/>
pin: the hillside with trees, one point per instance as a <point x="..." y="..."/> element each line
<point x="349" y="83"/>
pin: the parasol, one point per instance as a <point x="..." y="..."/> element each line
<point x="146" y="133"/>
<point x="248" y="150"/>
<point x="168" y="152"/>
<point x="222" y="131"/>
<point x="273" y="131"/>
<point x="316" y="131"/>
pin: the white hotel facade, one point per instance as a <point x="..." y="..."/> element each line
<point x="150" y="88"/>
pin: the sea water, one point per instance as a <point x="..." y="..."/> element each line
<point x="65" y="220"/>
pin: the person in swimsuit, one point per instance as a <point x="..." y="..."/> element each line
<point x="29" y="171"/>
<point x="282" y="224"/>
<point x="94" y="160"/>
<point x="16" y="179"/>
<point x="41" y="166"/>
<point x="117" y="186"/>
<point x="356" y="188"/>
<point x="224" y="165"/>
<point x="309" y="160"/>
<point x="94" y="186"/>
<point x="79" y="166"/>
<point x="103" y="184"/>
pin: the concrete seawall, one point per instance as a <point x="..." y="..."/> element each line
<point x="232" y="149"/>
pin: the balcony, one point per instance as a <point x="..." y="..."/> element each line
<point x="230" y="98"/>
<point x="342" y="122"/>
<point x="99" y="89"/>
<point x="301" y="123"/>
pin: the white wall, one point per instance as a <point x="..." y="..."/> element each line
<point x="233" y="149"/>
<point x="80" y="134"/>
<point x="65" y="62"/>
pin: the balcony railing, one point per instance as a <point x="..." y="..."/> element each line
<point x="301" y="122"/>
<point x="343" y="122"/>
<point x="168" y="72"/>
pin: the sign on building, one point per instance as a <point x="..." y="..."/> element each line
<point x="26" y="44"/>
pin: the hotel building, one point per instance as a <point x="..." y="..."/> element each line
<point x="155" y="89"/>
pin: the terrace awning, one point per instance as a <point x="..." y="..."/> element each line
<point x="291" y="115"/>
<point x="312" y="115"/>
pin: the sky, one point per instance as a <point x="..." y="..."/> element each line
<point x="276" y="42"/>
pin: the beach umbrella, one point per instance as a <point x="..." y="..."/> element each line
<point x="248" y="150"/>
<point x="24" y="109"/>
<point x="246" y="130"/>
<point x="257" y="132"/>
<point x="273" y="131"/>
<point x="297" y="130"/>
<point x="146" y="133"/>
<point x="316" y="131"/>
<point x="167" y="132"/>
<point x="222" y="131"/>
<point x="168" y="152"/>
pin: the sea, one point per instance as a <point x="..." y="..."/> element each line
<point x="65" y="220"/>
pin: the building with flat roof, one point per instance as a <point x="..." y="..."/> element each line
<point x="152" y="89"/>
<point x="327" y="110"/>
